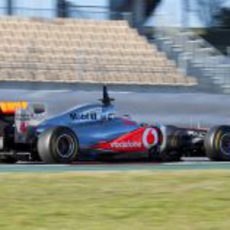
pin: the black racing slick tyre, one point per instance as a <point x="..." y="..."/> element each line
<point x="172" y="147"/>
<point x="154" y="155"/>
<point x="170" y="156"/>
<point x="58" y="145"/>
<point x="217" y="143"/>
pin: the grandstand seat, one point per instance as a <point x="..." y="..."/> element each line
<point x="70" y="50"/>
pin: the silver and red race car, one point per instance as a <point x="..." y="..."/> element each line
<point x="95" y="131"/>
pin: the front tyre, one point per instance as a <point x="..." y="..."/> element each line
<point x="58" y="145"/>
<point x="170" y="156"/>
<point x="217" y="143"/>
<point x="173" y="143"/>
<point x="154" y="154"/>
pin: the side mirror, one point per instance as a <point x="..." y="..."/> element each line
<point x="38" y="109"/>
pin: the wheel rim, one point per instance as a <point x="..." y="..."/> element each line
<point x="225" y="144"/>
<point x="65" y="146"/>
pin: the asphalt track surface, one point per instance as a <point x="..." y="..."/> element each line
<point x="186" y="164"/>
<point x="189" y="109"/>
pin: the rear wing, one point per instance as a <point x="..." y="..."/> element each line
<point x="26" y="119"/>
<point x="22" y="115"/>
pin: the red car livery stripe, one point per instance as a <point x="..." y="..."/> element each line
<point x="139" y="140"/>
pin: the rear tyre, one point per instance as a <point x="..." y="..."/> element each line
<point x="217" y="143"/>
<point x="58" y="145"/>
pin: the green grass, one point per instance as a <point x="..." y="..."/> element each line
<point x="136" y="201"/>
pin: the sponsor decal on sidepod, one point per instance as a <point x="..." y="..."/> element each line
<point x="150" y="138"/>
<point x="139" y="140"/>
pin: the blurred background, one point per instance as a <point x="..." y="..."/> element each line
<point x="170" y="58"/>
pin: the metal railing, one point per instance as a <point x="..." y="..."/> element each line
<point x="72" y="11"/>
<point x="191" y="47"/>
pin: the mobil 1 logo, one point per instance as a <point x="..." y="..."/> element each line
<point x="88" y="115"/>
<point x="92" y="116"/>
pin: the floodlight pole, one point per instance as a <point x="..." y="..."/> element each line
<point x="185" y="13"/>
<point x="9" y="7"/>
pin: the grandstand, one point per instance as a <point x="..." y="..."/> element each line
<point x="196" y="56"/>
<point x="82" y="51"/>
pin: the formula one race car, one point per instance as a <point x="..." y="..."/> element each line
<point x="95" y="130"/>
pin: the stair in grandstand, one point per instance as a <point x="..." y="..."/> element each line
<point x="196" y="57"/>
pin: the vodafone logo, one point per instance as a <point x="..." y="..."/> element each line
<point x="150" y="137"/>
<point x="126" y="144"/>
